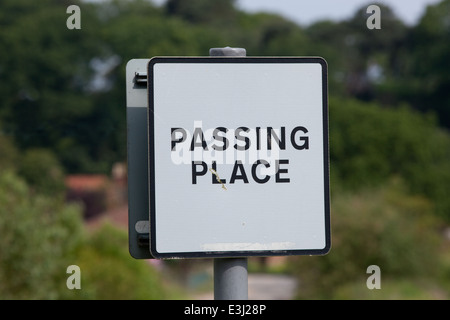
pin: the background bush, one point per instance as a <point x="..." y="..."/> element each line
<point x="370" y="144"/>
<point x="39" y="236"/>
<point x="376" y="226"/>
<point x="109" y="272"/>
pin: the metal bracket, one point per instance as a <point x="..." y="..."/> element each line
<point x="140" y="78"/>
<point x="137" y="158"/>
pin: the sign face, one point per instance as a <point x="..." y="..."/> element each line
<point x="238" y="157"/>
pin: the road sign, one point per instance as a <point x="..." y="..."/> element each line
<point x="238" y="157"/>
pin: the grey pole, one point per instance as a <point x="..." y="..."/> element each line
<point x="230" y="274"/>
<point x="230" y="279"/>
<point x="227" y="52"/>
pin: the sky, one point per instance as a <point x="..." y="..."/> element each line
<point x="307" y="12"/>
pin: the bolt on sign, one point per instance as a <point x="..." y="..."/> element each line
<point x="238" y="157"/>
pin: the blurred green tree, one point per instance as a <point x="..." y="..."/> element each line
<point x="46" y="77"/>
<point x="370" y="144"/>
<point x="39" y="236"/>
<point x="42" y="171"/>
<point x="109" y="273"/>
<point x="218" y="12"/>
<point x="428" y="76"/>
<point x="375" y="226"/>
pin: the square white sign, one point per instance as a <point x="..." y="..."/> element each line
<point x="238" y="157"/>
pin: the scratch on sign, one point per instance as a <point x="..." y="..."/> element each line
<point x="218" y="178"/>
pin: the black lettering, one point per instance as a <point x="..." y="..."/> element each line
<point x="174" y="139"/>
<point x="224" y="139"/>
<point x="278" y="179"/>
<point x="305" y="140"/>
<point x="281" y="142"/>
<point x="234" y="176"/>
<point x="196" y="173"/>
<point x="198" y="133"/>
<point x="258" y="145"/>
<point x="241" y="138"/>
<point x="254" y="168"/>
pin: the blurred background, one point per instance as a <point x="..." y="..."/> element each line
<point x="63" y="196"/>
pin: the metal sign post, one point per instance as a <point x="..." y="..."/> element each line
<point x="230" y="274"/>
<point x="230" y="279"/>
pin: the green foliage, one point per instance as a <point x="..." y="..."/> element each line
<point x="422" y="77"/>
<point x="9" y="155"/>
<point x="218" y="12"/>
<point x="45" y="75"/>
<point x="109" y="273"/>
<point x="41" y="169"/>
<point x="39" y="236"/>
<point x="381" y="227"/>
<point x="370" y="144"/>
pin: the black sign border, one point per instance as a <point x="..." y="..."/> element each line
<point x="151" y="159"/>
